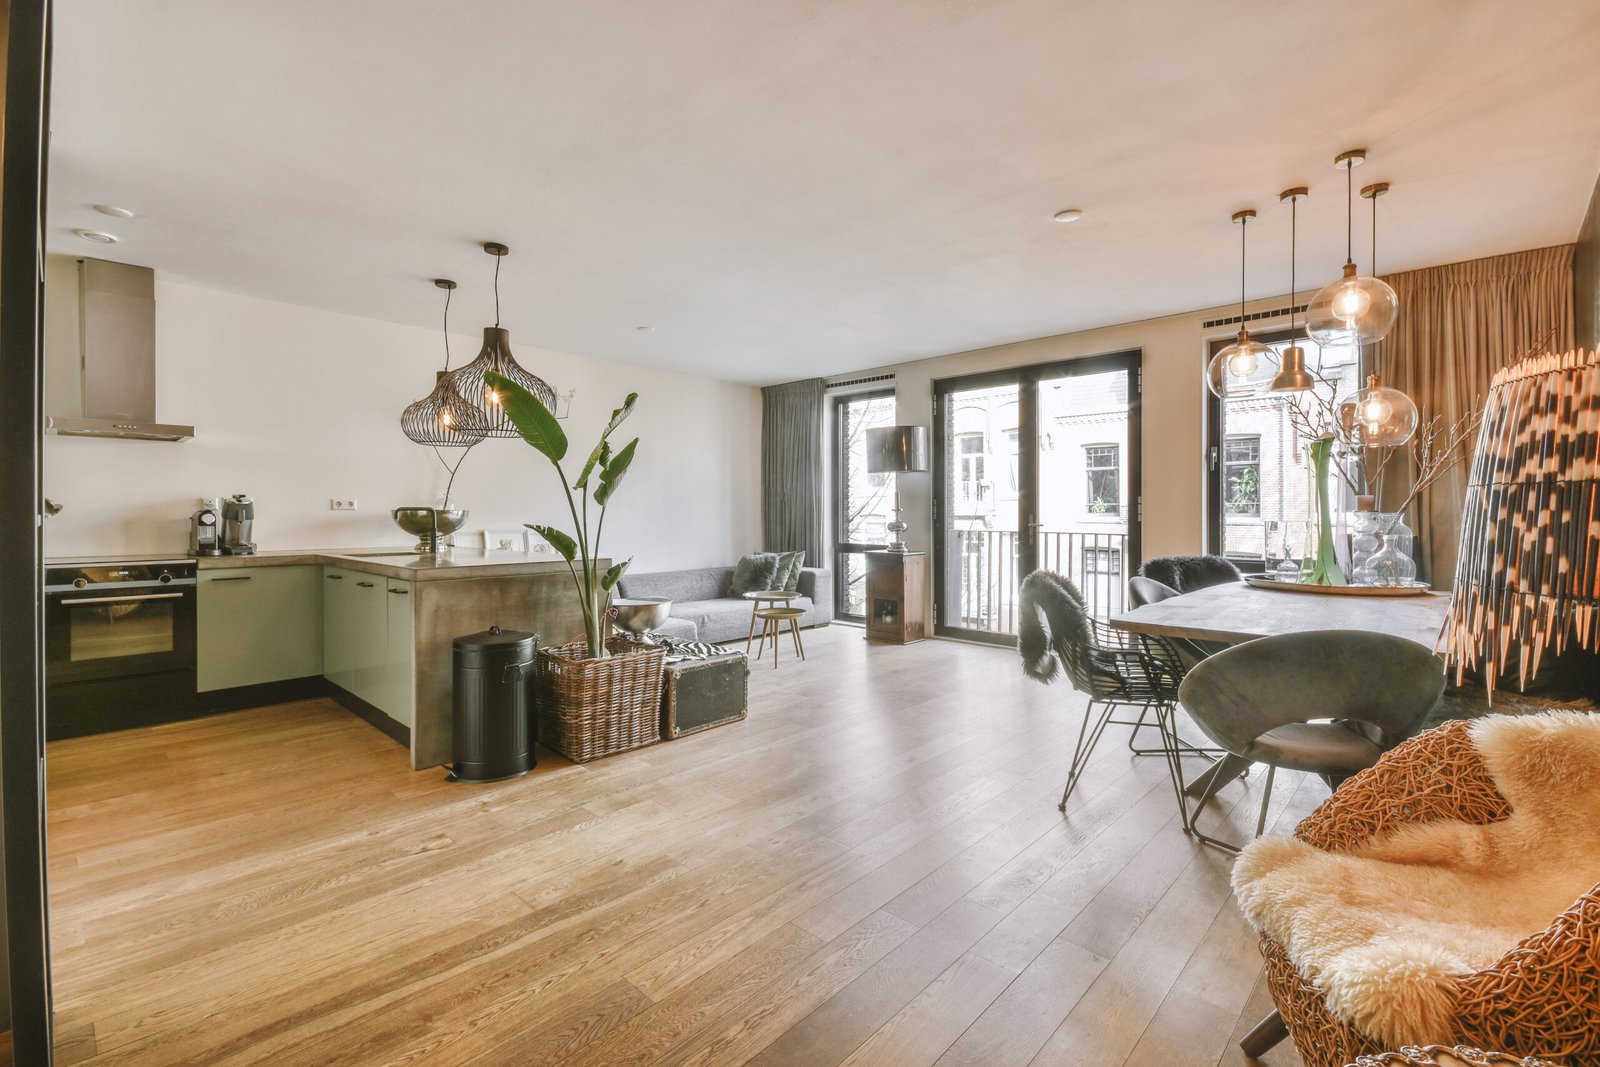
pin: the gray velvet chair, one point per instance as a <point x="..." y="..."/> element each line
<point x="1326" y="701"/>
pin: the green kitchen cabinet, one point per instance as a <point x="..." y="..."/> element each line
<point x="367" y="638"/>
<point x="397" y="686"/>
<point x="339" y="627"/>
<point x="257" y="625"/>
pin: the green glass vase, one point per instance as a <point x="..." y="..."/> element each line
<point x="1320" y="564"/>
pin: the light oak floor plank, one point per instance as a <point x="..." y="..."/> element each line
<point x="870" y="870"/>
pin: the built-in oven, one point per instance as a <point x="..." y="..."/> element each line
<point x="119" y="645"/>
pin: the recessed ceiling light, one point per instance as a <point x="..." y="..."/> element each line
<point x="1071" y="214"/>
<point x="96" y="236"/>
<point x="645" y="329"/>
<point x="114" y="211"/>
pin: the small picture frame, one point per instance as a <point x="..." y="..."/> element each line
<point x="505" y="540"/>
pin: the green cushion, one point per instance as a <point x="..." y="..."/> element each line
<point x="789" y="564"/>
<point x="755" y="573"/>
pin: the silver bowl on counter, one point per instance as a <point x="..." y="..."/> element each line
<point x="424" y="523"/>
<point x="638" y="615"/>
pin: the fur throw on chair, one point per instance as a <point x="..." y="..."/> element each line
<point x="1051" y="618"/>
<point x="1388" y="928"/>
<point x="1188" y="573"/>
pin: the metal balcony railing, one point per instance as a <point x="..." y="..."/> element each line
<point x="987" y="583"/>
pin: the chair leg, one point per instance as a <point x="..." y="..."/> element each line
<point x="1266" y="798"/>
<point x="1174" y="755"/>
<point x="1266" y="1034"/>
<point x="1087" y="739"/>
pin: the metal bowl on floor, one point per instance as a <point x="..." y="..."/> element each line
<point x="638" y="615"/>
<point x="419" y="522"/>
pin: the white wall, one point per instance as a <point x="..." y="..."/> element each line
<point x="294" y="406"/>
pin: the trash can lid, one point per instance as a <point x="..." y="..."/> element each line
<point x="494" y="639"/>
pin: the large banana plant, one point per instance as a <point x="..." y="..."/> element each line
<point x="602" y="473"/>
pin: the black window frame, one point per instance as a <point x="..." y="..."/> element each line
<point x="841" y="473"/>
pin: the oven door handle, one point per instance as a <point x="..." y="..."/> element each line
<point x="125" y="599"/>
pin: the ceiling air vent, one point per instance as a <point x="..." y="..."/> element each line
<point x="1254" y="316"/>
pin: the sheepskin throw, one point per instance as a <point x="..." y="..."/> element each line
<point x="1386" y="929"/>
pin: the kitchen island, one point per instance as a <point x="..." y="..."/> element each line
<point x="372" y="626"/>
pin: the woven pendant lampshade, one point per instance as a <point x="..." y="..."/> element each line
<point x="443" y="418"/>
<point x="471" y="381"/>
<point x="1528" y="570"/>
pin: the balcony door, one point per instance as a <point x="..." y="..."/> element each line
<point x="1036" y="467"/>
<point x="863" y="504"/>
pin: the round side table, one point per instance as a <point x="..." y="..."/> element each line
<point x="776" y="598"/>
<point x="772" y="620"/>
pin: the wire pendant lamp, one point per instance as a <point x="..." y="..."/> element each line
<point x="444" y="418"/>
<point x="471" y="380"/>
<point x="1236" y="371"/>
<point x="1357" y="309"/>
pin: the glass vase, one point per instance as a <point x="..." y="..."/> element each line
<point x="1392" y="564"/>
<point x="1320" y="565"/>
<point x="1364" y="542"/>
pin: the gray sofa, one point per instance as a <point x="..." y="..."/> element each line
<point x="700" y="600"/>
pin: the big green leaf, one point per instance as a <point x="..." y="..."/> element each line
<point x="531" y="418"/>
<point x="601" y="448"/>
<point x="611" y="474"/>
<point x="558" y="540"/>
<point x="615" y="574"/>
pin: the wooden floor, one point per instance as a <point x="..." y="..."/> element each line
<point x="870" y="870"/>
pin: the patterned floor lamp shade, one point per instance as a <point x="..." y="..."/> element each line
<point x="1528" y="573"/>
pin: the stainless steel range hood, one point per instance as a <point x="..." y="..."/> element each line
<point x="116" y="355"/>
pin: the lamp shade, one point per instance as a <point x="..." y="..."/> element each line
<point x="1528" y="569"/>
<point x="897" y="449"/>
<point x="471" y="382"/>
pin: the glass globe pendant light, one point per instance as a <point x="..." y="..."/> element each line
<point x="1234" y="371"/>
<point x="1292" y="376"/>
<point x="1377" y="416"/>
<point x="1357" y="309"/>
<point x="471" y="380"/>
<point x="444" y="418"/>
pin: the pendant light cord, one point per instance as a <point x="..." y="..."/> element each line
<point x="1244" y="222"/>
<point x="1294" y="231"/>
<point x="447" y="294"/>
<point x="1349" y="211"/>
<point x="1377" y="359"/>
<point x="497" y="260"/>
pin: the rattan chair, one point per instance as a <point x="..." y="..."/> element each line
<point x="1441" y="1056"/>
<point x="1542" y="998"/>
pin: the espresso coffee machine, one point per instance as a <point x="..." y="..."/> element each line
<point x="238" y="521"/>
<point x="204" y="531"/>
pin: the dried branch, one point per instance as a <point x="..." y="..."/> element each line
<point x="1436" y="449"/>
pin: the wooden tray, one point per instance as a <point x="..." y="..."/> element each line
<point x="1257" y="581"/>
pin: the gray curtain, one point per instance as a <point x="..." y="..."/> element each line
<point x="1458" y="324"/>
<point x="791" y="468"/>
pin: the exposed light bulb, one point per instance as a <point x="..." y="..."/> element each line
<point x="491" y="397"/>
<point x="444" y="419"/>
<point x="1351" y="303"/>
<point x="1376" y="411"/>
<point x="1243" y="364"/>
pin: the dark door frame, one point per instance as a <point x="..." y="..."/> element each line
<point x="842" y="547"/>
<point x="1213" y="459"/>
<point x="22" y="763"/>
<point x="1027" y="380"/>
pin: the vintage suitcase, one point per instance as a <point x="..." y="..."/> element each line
<point x="702" y="693"/>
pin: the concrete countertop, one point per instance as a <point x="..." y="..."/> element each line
<point x="402" y="563"/>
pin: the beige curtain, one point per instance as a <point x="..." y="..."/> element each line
<point x="1458" y="325"/>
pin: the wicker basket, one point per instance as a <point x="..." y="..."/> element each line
<point x="590" y="708"/>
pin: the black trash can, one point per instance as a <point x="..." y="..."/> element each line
<point x="493" y="705"/>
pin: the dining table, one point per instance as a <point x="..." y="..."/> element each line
<point x="1236" y="612"/>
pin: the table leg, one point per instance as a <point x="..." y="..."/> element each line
<point x="1222" y="772"/>
<point x="755" y="607"/>
<point x="794" y="628"/>
<point x="777" y="631"/>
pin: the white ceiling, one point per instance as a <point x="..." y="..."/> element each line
<point x="785" y="188"/>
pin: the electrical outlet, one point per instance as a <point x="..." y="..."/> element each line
<point x="341" y="504"/>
